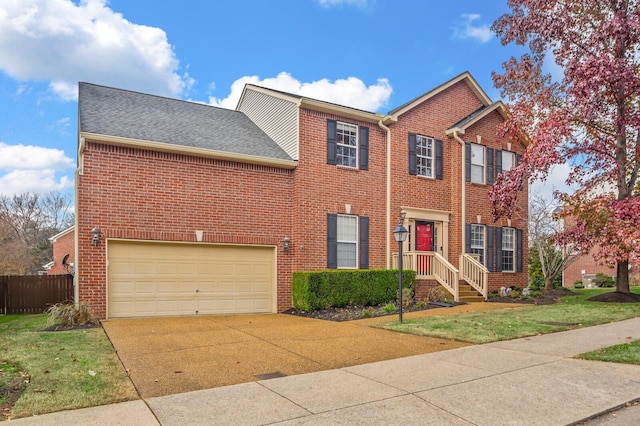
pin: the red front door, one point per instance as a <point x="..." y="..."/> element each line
<point x="424" y="236"/>
<point x="424" y="242"/>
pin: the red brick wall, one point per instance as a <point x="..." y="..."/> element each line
<point x="478" y="202"/>
<point x="61" y="247"/>
<point x="589" y="265"/>
<point x="432" y="118"/>
<point x="320" y="188"/>
<point x="144" y="195"/>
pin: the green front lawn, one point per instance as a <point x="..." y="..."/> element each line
<point x="511" y="323"/>
<point x="626" y="353"/>
<point x="63" y="369"/>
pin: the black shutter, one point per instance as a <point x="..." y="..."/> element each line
<point x="332" y="241"/>
<point x="413" y="169"/>
<point x="467" y="161"/>
<point x="490" y="171"/>
<point x="499" y="249"/>
<point x="364" y="148"/>
<point x="518" y="160"/>
<point x="439" y="159"/>
<point x="498" y="162"/>
<point x="519" y="242"/>
<point x="364" y="242"/>
<point x="490" y="248"/>
<point x="467" y="243"/>
<point x="331" y="141"/>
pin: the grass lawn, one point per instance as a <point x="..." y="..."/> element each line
<point x="504" y="324"/>
<point x="64" y="369"/>
<point x="626" y="353"/>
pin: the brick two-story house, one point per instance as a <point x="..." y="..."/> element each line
<point x="186" y="209"/>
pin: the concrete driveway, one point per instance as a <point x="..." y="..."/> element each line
<point x="165" y="356"/>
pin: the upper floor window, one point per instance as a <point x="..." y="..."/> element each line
<point x="477" y="163"/>
<point x="424" y="156"/>
<point x="508" y="161"/>
<point x="508" y="246"/>
<point x="347" y="145"/>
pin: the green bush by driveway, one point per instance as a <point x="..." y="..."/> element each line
<point x="322" y="289"/>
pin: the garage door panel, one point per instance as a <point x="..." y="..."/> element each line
<point x="163" y="279"/>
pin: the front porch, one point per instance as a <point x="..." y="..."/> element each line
<point x="431" y="265"/>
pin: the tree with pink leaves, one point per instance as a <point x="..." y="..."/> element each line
<point x="588" y="118"/>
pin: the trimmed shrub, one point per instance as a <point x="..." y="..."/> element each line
<point x="602" y="280"/>
<point x="578" y="284"/>
<point x="316" y="290"/>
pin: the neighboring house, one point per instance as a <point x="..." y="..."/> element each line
<point x="63" y="245"/>
<point x="184" y="208"/>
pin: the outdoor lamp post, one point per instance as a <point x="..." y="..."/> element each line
<point x="400" y="234"/>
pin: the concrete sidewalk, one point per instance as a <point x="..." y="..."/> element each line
<point x="529" y="381"/>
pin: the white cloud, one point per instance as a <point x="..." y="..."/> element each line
<point x="62" y="42"/>
<point x="350" y="91"/>
<point x="37" y="181"/>
<point x="33" y="169"/>
<point x="556" y="181"/>
<point x="25" y="157"/>
<point x="466" y="29"/>
<point x="330" y="3"/>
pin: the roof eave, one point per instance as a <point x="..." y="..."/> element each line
<point x="188" y="150"/>
<point x="343" y="111"/>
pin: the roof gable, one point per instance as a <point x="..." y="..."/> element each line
<point x="464" y="77"/>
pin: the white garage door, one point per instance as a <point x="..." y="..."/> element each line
<point x="163" y="279"/>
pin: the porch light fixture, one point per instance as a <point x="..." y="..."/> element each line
<point x="95" y="233"/>
<point x="400" y="235"/>
<point x="285" y="244"/>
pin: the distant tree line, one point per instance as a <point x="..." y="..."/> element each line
<point x="26" y="222"/>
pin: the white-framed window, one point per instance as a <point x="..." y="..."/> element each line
<point x="477" y="241"/>
<point x="347" y="144"/>
<point x="508" y="245"/>
<point x="477" y="163"/>
<point x="424" y="156"/>
<point x="347" y="241"/>
<point x="508" y="160"/>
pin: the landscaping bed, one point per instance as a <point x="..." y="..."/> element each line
<point x="349" y="313"/>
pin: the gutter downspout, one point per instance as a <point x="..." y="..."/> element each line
<point x="464" y="191"/>
<point x="388" y="196"/>
<point x="79" y="171"/>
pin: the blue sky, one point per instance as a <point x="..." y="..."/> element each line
<point x="370" y="54"/>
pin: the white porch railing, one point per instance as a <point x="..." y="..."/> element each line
<point x="475" y="273"/>
<point x="431" y="265"/>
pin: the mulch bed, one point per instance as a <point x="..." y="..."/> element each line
<point x="616" y="297"/>
<point x="349" y="313"/>
<point x="548" y="297"/>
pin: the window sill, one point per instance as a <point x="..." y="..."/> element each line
<point x="351" y="169"/>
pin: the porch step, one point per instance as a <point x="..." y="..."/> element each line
<point x="468" y="293"/>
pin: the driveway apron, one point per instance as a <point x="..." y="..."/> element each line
<point x="180" y="354"/>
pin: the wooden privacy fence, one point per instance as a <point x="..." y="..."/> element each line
<point x="33" y="294"/>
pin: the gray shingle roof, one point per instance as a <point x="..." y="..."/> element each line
<point x="122" y="113"/>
